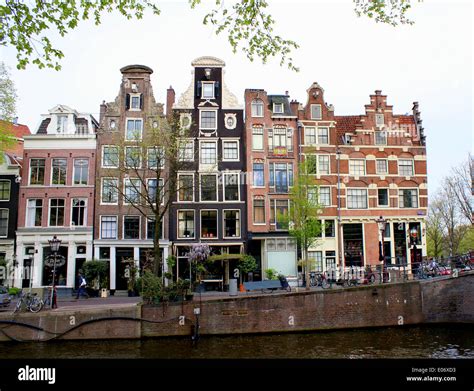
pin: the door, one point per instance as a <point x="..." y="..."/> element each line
<point x="27" y="271"/>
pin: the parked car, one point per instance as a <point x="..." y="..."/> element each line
<point x="5" y="299"/>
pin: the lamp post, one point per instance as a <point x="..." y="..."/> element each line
<point x="54" y="246"/>
<point x="382" y="223"/>
<point x="413" y="235"/>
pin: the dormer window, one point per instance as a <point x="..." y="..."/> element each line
<point x="62" y="123"/>
<point x="135" y="102"/>
<point x="207" y="90"/>
<point x="316" y="112"/>
<point x="278" y="108"/>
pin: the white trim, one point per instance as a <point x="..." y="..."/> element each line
<point x="159" y="150"/>
<point x="9" y="192"/>
<point x="177" y="190"/>
<point x="135" y="95"/>
<point x="417" y="198"/>
<point x="27" y="213"/>
<point x="74" y="171"/>
<point x="139" y="156"/>
<point x="102" y="188"/>
<point x="259" y="101"/>
<point x="187" y="141"/>
<point x="200" y="183"/>
<point x="386" y="164"/>
<point x="85" y="211"/>
<point x="357" y="174"/>
<point x="366" y="198"/>
<point x="223" y="223"/>
<point x="160" y="180"/>
<point x="152" y="218"/>
<point x="212" y="83"/>
<point x="49" y="212"/>
<point x="200" y="113"/>
<point x="29" y="171"/>
<point x="102" y="156"/>
<point x="200" y="152"/>
<point x="279" y="105"/>
<point x="217" y="223"/>
<point x="388" y="197"/>
<point x="320" y="110"/>
<point x="52" y="172"/>
<point x="264" y="211"/>
<point x="177" y="223"/>
<point x="139" y="226"/>
<point x="318" y="135"/>
<point x="238" y="185"/>
<point x="116" y="226"/>
<point x="231" y="140"/>
<point x="127" y="119"/>
<point x="133" y="188"/>
<point x="8" y="220"/>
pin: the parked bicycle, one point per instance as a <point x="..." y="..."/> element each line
<point x="318" y="279"/>
<point x="30" y="301"/>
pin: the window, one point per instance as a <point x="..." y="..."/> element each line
<point x="208" y="119"/>
<point x="4" y="223"/>
<point x="316" y="112"/>
<point x="207" y="90"/>
<point x="5" y="190"/>
<point x="310" y="135"/>
<point x="323" y="135"/>
<point x="278" y="108"/>
<point x="278" y="213"/>
<point x="356" y="199"/>
<point x="131" y="227"/>
<point x="185" y="187"/>
<point x="382" y="197"/>
<point x="34" y="212"/>
<point x="311" y="166"/>
<point x="323" y="164"/>
<point x="258" y="174"/>
<point x="379" y="119"/>
<point x="61" y="126"/>
<point x="186" y="151"/>
<point x="186" y="224"/>
<point x="281" y="177"/>
<point x="380" y="138"/>
<point x="257" y="108"/>
<point x="56" y="212"/>
<point x="135" y="102"/>
<point x="208" y="152"/>
<point x="231" y="150"/>
<point x="109" y="193"/>
<point x="132" y="191"/>
<point x="258" y="211"/>
<point x="325" y="196"/>
<point x="59" y="170"/>
<point x="257" y="138"/>
<point x="156" y="157"/>
<point x="79" y="212"/>
<point x="329" y="229"/>
<point x="108" y="227"/>
<point x="133" y="157"/>
<point x="381" y="166"/>
<point x="312" y="194"/>
<point x="281" y="139"/>
<point x="151" y="227"/>
<point x="231" y="223"/>
<point x="37" y="171"/>
<point x="134" y="129"/>
<point x="81" y="171"/>
<point x="231" y="187"/>
<point x="208" y="187"/>
<point x="408" y="198"/>
<point x="316" y="260"/>
<point x="151" y="185"/>
<point x="356" y="167"/>
<point x="405" y="167"/>
<point x="110" y="156"/>
<point x="208" y="223"/>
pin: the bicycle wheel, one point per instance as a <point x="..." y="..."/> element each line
<point x="372" y="279"/>
<point x="36" y="304"/>
<point x="325" y="283"/>
<point x="345" y="283"/>
<point x="18" y="306"/>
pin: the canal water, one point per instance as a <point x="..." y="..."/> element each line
<point x="444" y="341"/>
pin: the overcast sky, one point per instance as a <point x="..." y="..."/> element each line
<point x="350" y="57"/>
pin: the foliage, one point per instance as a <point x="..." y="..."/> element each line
<point x="130" y="274"/>
<point x="149" y="286"/>
<point x="14" y="291"/>
<point x="392" y="12"/>
<point x="467" y="242"/>
<point x="247" y="264"/>
<point x="8" y="98"/>
<point x="96" y="273"/>
<point x="197" y="256"/>
<point x="271" y="274"/>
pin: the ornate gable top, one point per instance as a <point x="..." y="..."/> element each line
<point x="208" y="61"/>
<point x="136" y="69"/>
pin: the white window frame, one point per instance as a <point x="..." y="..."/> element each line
<point x="307" y="135"/>
<point x="388" y="197"/>
<point x="200" y="183"/>
<point x="200" y="119"/>
<point x="152" y="218"/>
<point x="185" y="142"/>
<point x="159" y="151"/>
<point x="358" y="189"/>
<point x="52" y="172"/>
<point x="126" y="129"/>
<point x="320" y="111"/>
<point x="132" y="147"/>
<point x="238" y="185"/>
<point x="382" y="140"/>
<point x="85" y="211"/>
<point x="186" y="174"/>
<point x="256" y="103"/>
<point x="201" y="155"/>
<point x="275" y="105"/>
<point x="412" y="165"/>
<point x="264" y="211"/>
<point x="177" y="225"/>
<point x="379" y="123"/>
<point x="49" y="212"/>
<point x="8" y="222"/>
<point x="377" y="169"/>
<point x="139" y="226"/>
<point x="125" y="180"/>
<point x="29" y="171"/>
<point x="319" y="195"/>
<point x="116" y="227"/>
<point x="223" y="223"/>
<point x="417" y="198"/>
<point x="320" y="129"/>
<point x="217" y="223"/>
<point x="260" y="135"/>
<point x="319" y="164"/>
<point x="351" y="173"/>
<point x="103" y="154"/>
<point x="102" y="189"/>
<point x="226" y="140"/>
<point x="27" y="214"/>
<point x="74" y="171"/>
<point x="212" y="84"/>
<point x="160" y="181"/>
<point x="9" y="189"/>
<point x="139" y="102"/>
<point x="253" y="175"/>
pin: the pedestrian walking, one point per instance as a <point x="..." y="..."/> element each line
<point x="82" y="283"/>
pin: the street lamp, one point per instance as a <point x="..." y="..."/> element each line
<point x="413" y="235"/>
<point x="382" y="223"/>
<point x="54" y="246"/>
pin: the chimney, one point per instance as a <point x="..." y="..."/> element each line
<point x="170" y="97"/>
<point x="378" y="92"/>
<point x="286" y="93"/>
<point x="103" y="109"/>
<point x="294" y="104"/>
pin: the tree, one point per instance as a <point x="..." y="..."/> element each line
<point x="461" y="183"/>
<point x="8" y="98"/>
<point x="28" y="26"/>
<point x="302" y="219"/>
<point x="434" y="230"/>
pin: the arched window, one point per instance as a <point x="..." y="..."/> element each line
<point x="257" y="108"/>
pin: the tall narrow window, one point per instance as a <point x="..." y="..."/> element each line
<point x="208" y="90"/>
<point x="186" y="187"/>
<point x="108" y="227"/>
<point x="323" y="135"/>
<point x="135" y="102"/>
<point x="257" y="108"/>
<point x="310" y="135"/>
<point x="109" y="192"/>
<point x="208" y="152"/>
<point x="379" y="119"/>
<point x="257" y="138"/>
<point x="79" y="212"/>
<point x="231" y="187"/>
<point x="279" y="212"/>
<point x="231" y="150"/>
<point x="380" y="138"/>
<point x="259" y="211"/>
<point x="34" y="212"/>
<point x="323" y="164"/>
<point x="4" y="223"/>
<point x="325" y="196"/>
<point x="281" y="177"/>
<point x="5" y="190"/>
<point x="37" y="171"/>
<point x="329" y="229"/>
<point x="81" y="171"/>
<point x="59" y="171"/>
<point x="258" y="175"/>
<point x="61" y="123"/>
<point x="231" y="223"/>
<point x="209" y="187"/>
<point x="134" y="129"/>
<point x="185" y="224"/>
<point x="56" y="212"/>
<point x="132" y="157"/>
<point x="152" y="190"/>
<point x="156" y="158"/>
<point x="209" y="224"/>
<point x="311" y="167"/>
<point x="131" y="227"/>
<point x="132" y="191"/>
<point x="316" y="111"/>
<point x="151" y="227"/>
<point x="186" y="151"/>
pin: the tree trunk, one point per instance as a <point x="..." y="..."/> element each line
<point x="157" y="269"/>
<point x="306" y="269"/>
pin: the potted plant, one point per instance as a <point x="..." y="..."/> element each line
<point x="247" y="264"/>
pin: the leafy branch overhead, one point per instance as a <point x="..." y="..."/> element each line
<point x="28" y="26"/>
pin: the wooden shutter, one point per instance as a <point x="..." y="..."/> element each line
<point x="198" y="89"/>
<point x="141" y="101"/>
<point x="127" y="101"/>
<point x="216" y="89"/>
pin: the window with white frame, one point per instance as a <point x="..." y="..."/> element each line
<point x="133" y="157"/>
<point x="4" y="222"/>
<point x="323" y="164"/>
<point x="311" y="164"/>
<point x="61" y="125"/>
<point x="316" y="111"/>
<point x="279" y="212"/>
<point x="186" y="187"/>
<point x="131" y="191"/>
<point x="156" y="157"/>
<point x="207" y="90"/>
<point x="380" y="138"/>
<point x="408" y="198"/>
<point x="59" y="171"/>
<point x="56" y="212"/>
<point x="134" y="129"/>
<point x="258" y="175"/>
<point x="131" y="227"/>
<point x="405" y="167"/>
<point x="329" y="229"/>
<point x="108" y="227"/>
<point x="259" y="211"/>
<point x="109" y="191"/>
<point x="186" y="151"/>
<point x="325" y="195"/>
<point x="381" y="166"/>
<point x="281" y="176"/>
<point x="151" y="227"/>
<point x="316" y="260"/>
<point x="231" y="187"/>
<point x="382" y="197"/>
<point x="356" y="167"/>
<point x="257" y="138"/>
<point x="110" y="156"/>
<point x="257" y="108"/>
<point x="5" y="186"/>
<point x="186" y="224"/>
<point x="135" y="103"/>
<point x="356" y="198"/>
<point x="208" y="119"/>
<point x="79" y="212"/>
<point x="310" y="137"/>
<point x="152" y="190"/>
<point x="312" y="194"/>
<point x="323" y="135"/>
<point x="230" y="150"/>
<point x="278" y="108"/>
<point x="379" y="120"/>
<point x="209" y="224"/>
<point x="231" y="223"/>
<point x="208" y="153"/>
<point x="280" y="138"/>
<point x="208" y="187"/>
<point x="81" y="171"/>
<point x="37" y="171"/>
<point x="34" y="212"/>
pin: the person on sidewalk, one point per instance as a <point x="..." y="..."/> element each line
<point x="82" y="286"/>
